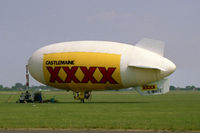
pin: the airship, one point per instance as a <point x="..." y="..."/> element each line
<point x="86" y="66"/>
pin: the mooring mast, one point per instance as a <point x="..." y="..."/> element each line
<point x="27" y="78"/>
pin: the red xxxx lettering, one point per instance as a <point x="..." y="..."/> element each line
<point x="88" y="75"/>
<point x="54" y="74"/>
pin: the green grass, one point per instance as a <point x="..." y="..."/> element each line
<point x="177" y="110"/>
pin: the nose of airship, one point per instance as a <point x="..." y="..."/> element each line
<point x="169" y="67"/>
<point x="35" y="66"/>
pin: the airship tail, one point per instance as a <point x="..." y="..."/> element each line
<point x="159" y="87"/>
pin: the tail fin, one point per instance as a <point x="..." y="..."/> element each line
<point x="155" y="46"/>
<point x="159" y="87"/>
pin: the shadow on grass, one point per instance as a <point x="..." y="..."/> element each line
<point x="99" y="102"/>
<point x="90" y="102"/>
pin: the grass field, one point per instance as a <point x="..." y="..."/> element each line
<point x="177" y="110"/>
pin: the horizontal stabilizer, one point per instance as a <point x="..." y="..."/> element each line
<point x="147" y="67"/>
<point x="159" y="87"/>
<point x="155" y="46"/>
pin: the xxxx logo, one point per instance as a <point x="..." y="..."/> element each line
<point x="149" y="87"/>
<point x="87" y="72"/>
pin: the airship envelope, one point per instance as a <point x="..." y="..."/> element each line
<point x="83" y="66"/>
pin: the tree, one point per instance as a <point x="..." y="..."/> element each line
<point x="18" y="85"/>
<point x="190" y="87"/>
<point x="1" y="86"/>
<point x="172" y="88"/>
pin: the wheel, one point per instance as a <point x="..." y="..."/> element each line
<point x="82" y="100"/>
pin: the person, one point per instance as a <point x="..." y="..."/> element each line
<point x="21" y="98"/>
<point x="87" y="95"/>
<point x="27" y="97"/>
<point x="38" y="97"/>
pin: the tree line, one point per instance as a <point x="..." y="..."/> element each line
<point x="20" y="86"/>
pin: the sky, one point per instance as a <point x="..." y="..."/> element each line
<point x="27" y="25"/>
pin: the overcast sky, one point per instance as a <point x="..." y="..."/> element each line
<point x="26" y="25"/>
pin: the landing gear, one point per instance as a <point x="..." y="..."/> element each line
<point x="82" y="96"/>
<point x="82" y="100"/>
